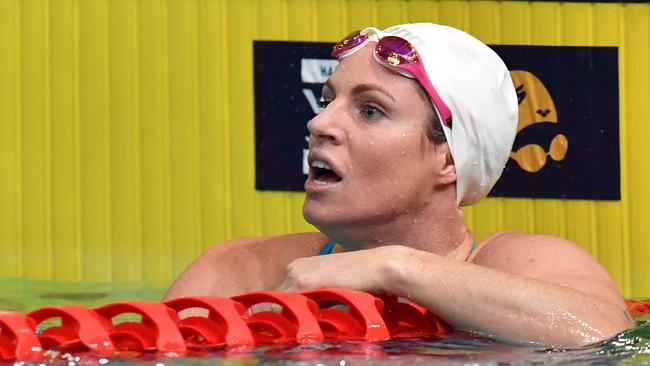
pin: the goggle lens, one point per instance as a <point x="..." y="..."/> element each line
<point x="351" y="41"/>
<point x="396" y="51"/>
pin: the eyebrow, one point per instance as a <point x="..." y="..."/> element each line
<point x="360" y="89"/>
<point x="371" y="87"/>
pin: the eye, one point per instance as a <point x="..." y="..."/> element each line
<point x="371" y="112"/>
<point x="322" y="103"/>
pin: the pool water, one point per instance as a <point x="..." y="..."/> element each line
<point x="459" y="348"/>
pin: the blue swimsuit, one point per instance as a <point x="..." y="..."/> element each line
<point x="327" y="249"/>
<point x="329" y="246"/>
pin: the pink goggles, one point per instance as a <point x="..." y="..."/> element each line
<point x="398" y="54"/>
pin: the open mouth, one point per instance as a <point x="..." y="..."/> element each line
<point x="323" y="172"/>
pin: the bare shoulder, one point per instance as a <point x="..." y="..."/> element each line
<point x="538" y="256"/>
<point x="244" y="264"/>
<point x="266" y="252"/>
<point x="293" y="245"/>
<point x="510" y="250"/>
<point x="547" y="258"/>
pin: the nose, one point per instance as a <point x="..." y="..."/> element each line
<point x="325" y="127"/>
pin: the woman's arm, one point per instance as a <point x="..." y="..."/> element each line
<point x="516" y="289"/>
<point x="519" y="287"/>
<point x="244" y="265"/>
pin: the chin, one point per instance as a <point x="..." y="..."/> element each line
<point x="310" y="211"/>
<point x="320" y="216"/>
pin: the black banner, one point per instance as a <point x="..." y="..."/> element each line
<point x="567" y="145"/>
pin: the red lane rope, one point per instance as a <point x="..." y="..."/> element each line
<point x="235" y="322"/>
<point x="638" y="307"/>
<point x="243" y="321"/>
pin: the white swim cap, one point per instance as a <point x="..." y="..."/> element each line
<point x="475" y="84"/>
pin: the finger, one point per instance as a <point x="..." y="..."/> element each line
<point x="286" y="286"/>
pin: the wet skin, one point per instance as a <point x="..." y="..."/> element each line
<point x="394" y="214"/>
<point x="372" y="134"/>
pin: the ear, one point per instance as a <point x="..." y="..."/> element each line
<point x="447" y="172"/>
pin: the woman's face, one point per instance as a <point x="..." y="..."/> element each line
<point x="372" y="135"/>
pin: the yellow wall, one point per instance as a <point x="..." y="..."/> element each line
<point x="127" y="142"/>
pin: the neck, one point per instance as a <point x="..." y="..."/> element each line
<point x="432" y="228"/>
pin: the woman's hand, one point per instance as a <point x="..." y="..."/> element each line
<point x="370" y="270"/>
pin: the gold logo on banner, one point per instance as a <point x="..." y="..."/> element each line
<point x="536" y="106"/>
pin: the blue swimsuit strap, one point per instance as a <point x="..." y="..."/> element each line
<point x="329" y="246"/>
<point x="327" y="249"/>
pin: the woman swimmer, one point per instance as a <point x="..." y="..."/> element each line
<point x="419" y="119"/>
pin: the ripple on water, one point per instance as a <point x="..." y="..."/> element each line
<point x="459" y="348"/>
